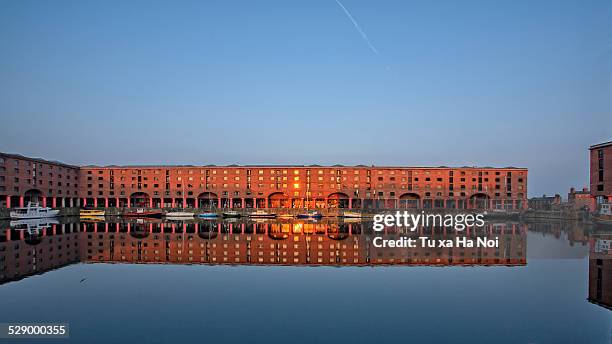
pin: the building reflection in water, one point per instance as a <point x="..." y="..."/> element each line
<point x="47" y="246"/>
<point x="600" y="269"/>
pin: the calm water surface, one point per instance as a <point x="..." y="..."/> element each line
<point x="281" y="282"/>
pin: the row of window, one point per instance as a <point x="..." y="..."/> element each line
<point x="295" y="172"/>
<point x="35" y="165"/>
<point x="141" y="186"/>
<point x="40" y="182"/>
<point x="297" y="178"/>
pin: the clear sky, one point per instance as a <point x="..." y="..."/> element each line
<point x="487" y="83"/>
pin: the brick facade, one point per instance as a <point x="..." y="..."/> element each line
<point x="303" y="186"/>
<point x="601" y="171"/>
<point x="579" y="200"/>
<point x="24" y="179"/>
<point x="356" y="187"/>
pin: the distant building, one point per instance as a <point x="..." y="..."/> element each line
<point x="578" y="200"/>
<point x="601" y="172"/>
<point x="545" y="202"/>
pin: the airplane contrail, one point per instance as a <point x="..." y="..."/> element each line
<point x="363" y="34"/>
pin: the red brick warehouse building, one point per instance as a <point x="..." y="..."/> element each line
<point x="601" y="172"/>
<point x="24" y="179"/>
<point x="314" y="186"/>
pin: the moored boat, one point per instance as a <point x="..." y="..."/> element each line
<point x="91" y="212"/>
<point x="310" y="215"/>
<point x="351" y="214"/>
<point x="208" y="215"/>
<point x="33" y="211"/>
<point x="179" y="214"/>
<point x="140" y="212"/>
<point x="286" y="216"/>
<point x="261" y="214"/>
<point x="231" y="213"/>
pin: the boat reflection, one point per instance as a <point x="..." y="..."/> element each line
<point x="33" y="225"/>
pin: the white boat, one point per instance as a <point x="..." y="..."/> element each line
<point x="179" y="214"/>
<point x="33" y="211"/>
<point x="231" y="213"/>
<point x="262" y="214"/>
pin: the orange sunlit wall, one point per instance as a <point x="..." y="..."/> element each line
<point x="54" y="184"/>
<point x="299" y="186"/>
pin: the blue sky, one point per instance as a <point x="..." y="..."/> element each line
<point x="488" y="83"/>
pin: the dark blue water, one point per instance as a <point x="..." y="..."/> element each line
<point x="544" y="301"/>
